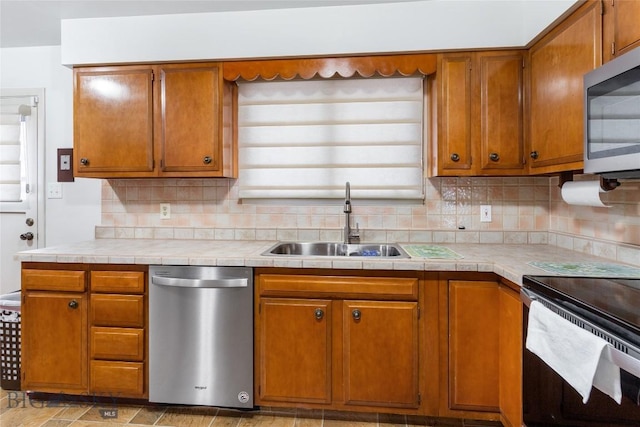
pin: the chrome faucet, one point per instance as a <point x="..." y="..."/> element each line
<point x="350" y="236"/>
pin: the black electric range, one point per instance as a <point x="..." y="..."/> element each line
<point x="610" y="303"/>
<point x="606" y="307"/>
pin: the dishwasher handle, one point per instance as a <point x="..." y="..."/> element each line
<point x="236" y="282"/>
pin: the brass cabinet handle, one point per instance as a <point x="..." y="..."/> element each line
<point x="319" y="313"/>
<point x="84" y="161"/>
<point x="534" y="155"/>
<point x="356" y="314"/>
<point x="73" y="304"/>
<point x="455" y="157"/>
<point x="494" y="157"/>
<point x="206" y="160"/>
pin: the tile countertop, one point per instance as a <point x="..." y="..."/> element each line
<point x="508" y="261"/>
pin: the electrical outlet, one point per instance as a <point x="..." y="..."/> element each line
<point x="54" y="190"/>
<point x="485" y="213"/>
<point x="165" y="210"/>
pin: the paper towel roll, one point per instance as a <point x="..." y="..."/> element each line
<point x="583" y="193"/>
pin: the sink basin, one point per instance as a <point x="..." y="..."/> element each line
<point x="336" y="249"/>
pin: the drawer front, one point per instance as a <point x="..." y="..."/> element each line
<point x="117" y="310"/>
<point x="53" y="280"/>
<point x="121" y="379"/>
<point x="126" y="282"/>
<point x="379" y="288"/>
<point x="117" y="344"/>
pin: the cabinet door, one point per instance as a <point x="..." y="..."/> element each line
<point x="501" y="112"/>
<point x="380" y="353"/>
<point x="54" y="342"/>
<point x="473" y="345"/>
<point x="510" y="357"/>
<point x="190" y="117"/>
<point x="558" y="64"/>
<point x="627" y="25"/>
<point x="295" y="350"/>
<point x="454" y="114"/>
<point x="113" y="121"/>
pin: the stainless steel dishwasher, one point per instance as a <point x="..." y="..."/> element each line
<point x="201" y="335"/>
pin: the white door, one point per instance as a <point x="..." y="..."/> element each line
<point x="21" y="159"/>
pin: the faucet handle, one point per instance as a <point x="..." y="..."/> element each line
<point x="354" y="237"/>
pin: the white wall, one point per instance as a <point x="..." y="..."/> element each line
<point x="74" y="217"/>
<point x="377" y="28"/>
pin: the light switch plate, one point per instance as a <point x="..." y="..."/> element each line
<point x="65" y="165"/>
<point x="54" y="190"/>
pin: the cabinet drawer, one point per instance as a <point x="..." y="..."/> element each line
<point x="351" y="287"/>
<point x="117" y="310"/>
<point x="122" y="379"/>
<point x="117" y="344"/>
<point x="53" y="280"/>
<point x="126" y="282"/>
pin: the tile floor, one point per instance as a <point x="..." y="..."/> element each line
<point x="16" y="410"/>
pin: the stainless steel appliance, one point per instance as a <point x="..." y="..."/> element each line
<point x="608" y="308"/>
<point x="612" y="118"/>
<point x="201" y="335"/>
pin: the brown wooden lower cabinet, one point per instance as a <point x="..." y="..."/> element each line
<point x="79" y="340"/>
<point x="510" y="346"/>
<point x="480" y="348"/>
<point x="380" y="353"/>
<point x="473" y="345"/>
<point x="117" y="319"/>
<point x="54" y="342"/>
<point x="295" y="344"/>
<point x="337" y="341"/>
<point x="434" y="344"/>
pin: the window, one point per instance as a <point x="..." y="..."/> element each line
<point x="305" y="139"/>
<point x="18" y="133"/>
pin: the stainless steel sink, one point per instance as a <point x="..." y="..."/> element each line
<point x="336" y="249"/>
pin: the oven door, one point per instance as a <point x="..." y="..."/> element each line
<point x="548" y="400"/>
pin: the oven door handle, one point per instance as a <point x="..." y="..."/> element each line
<point x="526" y="297"/>
<point x="620" y="358"/>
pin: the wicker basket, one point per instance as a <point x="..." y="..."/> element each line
<point x="10" y="348"/>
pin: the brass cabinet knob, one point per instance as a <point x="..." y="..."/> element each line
<point x="494" y="157"/>
<point x="534" y="155"/>
<point x="319" y="313"/>
<point x="455" y="157"/>
<point x="356" y="314"/>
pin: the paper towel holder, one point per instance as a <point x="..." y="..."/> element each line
<point x="607" y="184"/>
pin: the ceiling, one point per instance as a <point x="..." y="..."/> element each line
<point x="37" y="23"/>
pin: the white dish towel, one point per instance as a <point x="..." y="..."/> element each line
<point x="578" y="356"/>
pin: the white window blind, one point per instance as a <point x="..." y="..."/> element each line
<point x="305" y="139"/>
<point x="16" y="126"/>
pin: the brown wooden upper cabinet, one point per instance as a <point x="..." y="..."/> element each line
<point x="479" y="114"/>
<point x="621" y="27"/>
<point x="169" y="120"/>
<point x="559" y="62"/>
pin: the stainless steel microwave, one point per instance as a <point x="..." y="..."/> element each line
<point x="612" y="118"/>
